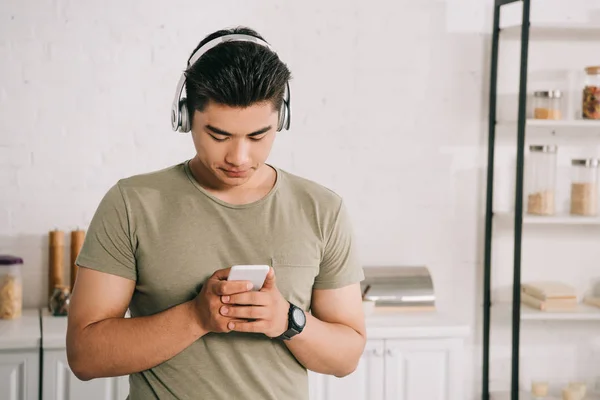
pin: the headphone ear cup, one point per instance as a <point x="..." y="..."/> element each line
<point x="185" y="116"/>
<point x="282" y="116"/>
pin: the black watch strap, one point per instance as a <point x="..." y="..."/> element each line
<point x="293" y="327"/>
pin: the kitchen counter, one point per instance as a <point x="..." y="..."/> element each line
<point x="380" y="324"/>
<point x="408" y="324"/>
<point x="54" y="330"/>
<point x="21" y="333"/>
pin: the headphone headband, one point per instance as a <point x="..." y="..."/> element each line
<point x="180" y="116"/>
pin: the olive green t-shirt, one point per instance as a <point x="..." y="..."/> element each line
<point x="168" y="234"/>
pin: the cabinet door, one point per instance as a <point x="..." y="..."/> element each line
<point x="19" y="375"/>
<point x="366" y="383"/>
<point x="61" y="384"/>
<point x="424" y="369"/>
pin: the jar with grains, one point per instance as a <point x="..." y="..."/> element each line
<point x="591" y="93"/>
<point x="547" y="104"/>
<point x="584" y="187"/>
<point x="11" y="287"/>
<point x="541" y="179"/>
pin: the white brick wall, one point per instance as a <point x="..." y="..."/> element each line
<point x="390" y="107"/>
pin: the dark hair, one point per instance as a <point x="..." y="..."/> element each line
<point x="236" y="74"/>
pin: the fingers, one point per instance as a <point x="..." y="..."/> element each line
<point x="269" y="280"/>
<point x="227" y="288"/>
<point x="247" y="299"/>
<point x="245" y="312"/>
<point x="247" y="326"/>
<point x="221" y="274"/>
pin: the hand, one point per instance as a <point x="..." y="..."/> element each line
<point x="265" y="311"/>
<point x="208" y="302"/>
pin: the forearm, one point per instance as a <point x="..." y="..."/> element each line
<point x="122" y="346"/>
<point x="327" y="348"/>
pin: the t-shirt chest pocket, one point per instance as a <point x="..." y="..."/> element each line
<point x="295" y="277"/>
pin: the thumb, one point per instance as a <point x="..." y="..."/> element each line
<point x="269" y="280"/>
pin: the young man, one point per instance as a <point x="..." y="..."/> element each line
<point x="162" y="244"/>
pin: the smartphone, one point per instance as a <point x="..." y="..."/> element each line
<point x="253" y="273"/>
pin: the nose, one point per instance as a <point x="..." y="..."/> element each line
<point x="238" y="153"/>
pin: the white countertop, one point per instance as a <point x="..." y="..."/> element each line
<point x="380" y="325"/>
<point x="408" y="324"/>
<point x="21" y="333"/>
<point x="55" y="330"/>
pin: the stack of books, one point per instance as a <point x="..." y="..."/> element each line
<point x="593" y="300"/>
<point x="549" y="296"/>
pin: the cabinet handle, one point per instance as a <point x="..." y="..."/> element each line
<point x="377" y="352"/>
<point x="391" y="352"/>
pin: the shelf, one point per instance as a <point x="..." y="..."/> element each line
<point x="579" y="124"/>
<point x="556" y="220"/>
<point x="582" y="312"/>
<point x="546" y="31"/>
<point x="528" y="396"/>
<point x="522" y="396"/>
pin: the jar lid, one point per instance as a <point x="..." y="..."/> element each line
<point x="10" y="260"/>
<point x="552" y="94"/>
<point x="593" y="70"/>
<point x="546" y="148"/>
<point x="585" y="162"/>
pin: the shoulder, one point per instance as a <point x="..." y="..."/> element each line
<point x="311" y="193"/>
<point x="154" y="179"/>
<point x="150" y="185"/>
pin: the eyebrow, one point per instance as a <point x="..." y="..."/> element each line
<point x="221" y="132"/>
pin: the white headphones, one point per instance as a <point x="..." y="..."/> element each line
<point x="180" y="116"/>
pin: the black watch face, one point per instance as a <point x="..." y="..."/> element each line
<point x="299" y="317"/>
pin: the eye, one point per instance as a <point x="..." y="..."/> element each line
<point x="218" y="139"/>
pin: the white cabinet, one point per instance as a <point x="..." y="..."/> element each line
<point x="19" y="374"/>
<point x="424" y="369"/>
<point x="366" y="383"/>
<point x="59" y="383"/>
<point x="20" y="357"/>
<point x="409" y="363"/>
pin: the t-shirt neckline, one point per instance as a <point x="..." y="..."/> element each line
<point x="190" y="175"/>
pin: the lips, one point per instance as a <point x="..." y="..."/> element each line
<point x="235" y="174"/>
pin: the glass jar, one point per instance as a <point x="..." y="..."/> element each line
<point x="60" y="300"/>
<point x="541" y="174"/>
<point x="584" y="187"/>
<point x="547" y="104"/>
<point x="591" y="93"/>
<point x="11" y="287"/>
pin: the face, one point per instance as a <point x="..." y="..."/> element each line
<point x="233" y="143"/>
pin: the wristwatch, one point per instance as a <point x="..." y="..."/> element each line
<point x="296" y="322"/>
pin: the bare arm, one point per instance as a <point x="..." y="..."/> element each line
<point x="334" y="337"/>
<point x="102" y="343"/>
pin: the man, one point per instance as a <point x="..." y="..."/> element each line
<point x="162" y="243"/>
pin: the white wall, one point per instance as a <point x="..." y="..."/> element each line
<point x="389" y="109"/>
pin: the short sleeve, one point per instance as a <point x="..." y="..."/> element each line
<point x="107" y="246"/>
<point x="340" y="265"/>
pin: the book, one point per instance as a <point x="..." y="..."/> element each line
<point x="592" y="301"/>
<point x="545" y="290"/>
<point x="549" y="305"/>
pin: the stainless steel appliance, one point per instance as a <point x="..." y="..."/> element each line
<point x="399" y="286"/>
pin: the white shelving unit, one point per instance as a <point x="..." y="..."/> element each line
<point x="582" y="132"/>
